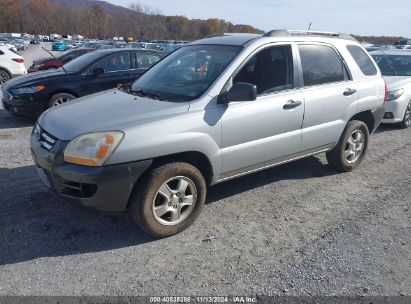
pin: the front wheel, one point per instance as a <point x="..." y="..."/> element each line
<point x="169" y="199"/>
<point x="406" y="121"/>
<point x="351" y="148"/>
<point x="60" y="99"/>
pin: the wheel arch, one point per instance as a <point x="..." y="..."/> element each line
<point x="194" y="158"/>
<point x="366" y="117"/>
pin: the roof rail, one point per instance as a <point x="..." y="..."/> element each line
<point x="289" y="33"/>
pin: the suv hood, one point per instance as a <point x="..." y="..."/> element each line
<point x="396" y="82"/>
<point x="104" y="111"/>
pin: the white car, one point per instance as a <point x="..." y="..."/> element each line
<point x="11" y="64"/>
<point x="395" y="65"/>
<point x="10" y="46"/>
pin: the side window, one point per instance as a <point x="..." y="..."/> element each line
<point x="114" y="63"/>
<point x="146" y="60"/>
<point x="361" y="58"/>
<point x="321" y="64"/>
<point x="1" y="53"/>
<point x="271" y="70"/>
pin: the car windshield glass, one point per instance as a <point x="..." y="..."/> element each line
<point x="80" y="63"/>
<point x="187" y="73"/>
<point x="394" y="65"/>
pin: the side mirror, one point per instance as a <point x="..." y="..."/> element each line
<point x="98" y="71"/>
<point x="240" y="91"/>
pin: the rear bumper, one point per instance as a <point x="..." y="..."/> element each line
<point x="378" y="114"/>
<point x="101" y="188"/>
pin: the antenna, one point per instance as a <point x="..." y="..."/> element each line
<point x="54" y="58"/>
<point x="309" y="26"/>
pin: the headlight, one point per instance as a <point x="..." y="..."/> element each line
<point x="93" y="149"/>
<point x="392" y="95"/>
<point x="29" y="90"/>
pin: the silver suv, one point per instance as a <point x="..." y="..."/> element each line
<point x="213" y="110"/>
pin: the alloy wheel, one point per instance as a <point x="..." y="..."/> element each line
<point x="174" y="201"/>
<point x="60" y="101"/>
<point x="4" y="77"/>
<point x="354" y="146"/>
<point x="407" y="115"/>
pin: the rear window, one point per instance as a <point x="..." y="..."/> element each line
<point x="363" y="60"/>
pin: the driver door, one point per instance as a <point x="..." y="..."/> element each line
<point x="260" y="133"/>
<point x="116" y="71"/>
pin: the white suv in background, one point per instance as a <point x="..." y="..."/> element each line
<point x="11" y="64"/>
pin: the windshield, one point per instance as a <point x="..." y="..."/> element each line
<point x="80" y="63"/>
<point x="394" y="65"/>
<point x="187" y="73"/>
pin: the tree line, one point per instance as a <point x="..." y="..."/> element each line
<point x="140" y="22"/>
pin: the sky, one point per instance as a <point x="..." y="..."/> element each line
<point x="361" y="17"/>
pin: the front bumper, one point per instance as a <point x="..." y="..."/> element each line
<point x="396" y="109"/>
<point x="102" y="188"/>
<point x="24" y="105"/>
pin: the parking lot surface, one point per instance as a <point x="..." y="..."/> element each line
<point x="296" y="229"/>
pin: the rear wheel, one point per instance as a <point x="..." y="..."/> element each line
<point x="406" y="121"/>
<point x="351" y="148"/>
<point x="169" y="199"/>
<point x="4" y="76"/>
<point x="60" y="99"/>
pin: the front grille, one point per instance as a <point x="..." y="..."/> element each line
<point x="46" y="140"/>
<point x="6" y="95"/>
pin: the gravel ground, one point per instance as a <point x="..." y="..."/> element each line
<point x="297" y="229"/>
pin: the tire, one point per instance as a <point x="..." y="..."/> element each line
<point x="4" y="76"/>
<point x="155" y="213"/>
<point x="351" y="148"/>
<point x="60" y="99"/>
<point x="406" y="121"/>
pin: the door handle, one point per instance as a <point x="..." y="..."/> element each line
<point x="291" y="104"/>
<point x="349" y="92"/>
<point x="125" y="74"/>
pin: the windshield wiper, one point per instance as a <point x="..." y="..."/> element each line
<point x="143" y="93"/>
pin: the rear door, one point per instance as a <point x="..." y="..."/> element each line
<point x="141" y="62"/>
<point x="329" y="94"/>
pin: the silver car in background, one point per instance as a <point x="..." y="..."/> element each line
<point x="211" y="111"/>
<point x="395" y="66"/>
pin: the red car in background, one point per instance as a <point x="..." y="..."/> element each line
<point x="50" y="63"/>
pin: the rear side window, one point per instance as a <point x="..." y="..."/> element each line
<point x="1" y="53"/>
<point x="321" y="65"/>
<point x="361" y="58"/>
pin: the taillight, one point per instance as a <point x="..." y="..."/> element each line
<point x="19" y="60"/>
<point x="385" y="93"/>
